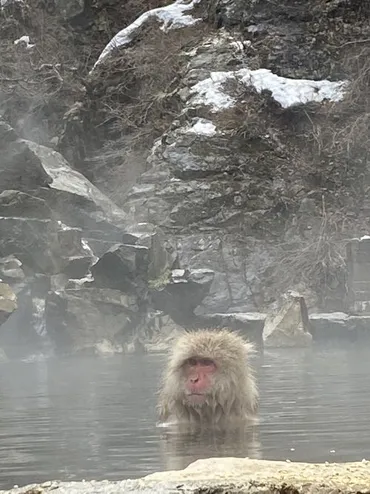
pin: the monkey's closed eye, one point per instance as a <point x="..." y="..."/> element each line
<point x="206" y="361"/>
<point x="192" y="362"/>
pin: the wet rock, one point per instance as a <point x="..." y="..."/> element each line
<point x="75" y="196"/>
<point x="75" y="255"/>
<point x="11" y="269"/>
<point x="79" y="319"/>
<point x="290" y="327"/>
<point x="38" y="181"/>
<point x="181" y="293"/>
<point x="42" y="245"/>
<point x="24" y="332"/>
<point x="339" y="326"/>
<point x="77" y="267"/>
<point x="14" y="203"/>
<point x="123" y="267"/>
<point x="359" y="328"/>
<point x="161" y="255"/>
<point x="29" y="240"/>
<point x="161" y="332"/>
<point x="20" y="169"/>
<point x="330" y="326"/>
<point x="8" y="302"/>
<point x="248" y="324"/>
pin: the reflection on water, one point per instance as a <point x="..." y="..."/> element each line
<point x="95" y="418"/>
<point x="178" y="450"/>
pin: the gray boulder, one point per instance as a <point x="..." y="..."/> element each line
<point x="38" y="172"/>
<point x="249" y="324"/>
<point x="81" y="319"/>
<point x="11" y="270"/>
<point x="24" y="332"/>
<point x="123" y="267"/>
<point x="181" y="292"/>
<point x="290" y="327"/>
<point x="8" y="302"/>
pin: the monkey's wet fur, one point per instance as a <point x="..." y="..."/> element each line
<point x="208" y="380"/>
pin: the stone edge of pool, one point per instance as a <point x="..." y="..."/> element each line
<point x="228" y="475"/>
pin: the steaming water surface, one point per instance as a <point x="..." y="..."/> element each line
<point x="91" y="418"/>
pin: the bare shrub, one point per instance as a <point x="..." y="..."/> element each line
<point x="136" y="87"/>
<point x="317" y="262"/>
<point x="38" y="84"/>
<point x="335" y="138"/>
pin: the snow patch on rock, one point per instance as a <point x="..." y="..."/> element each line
<point x="171" y="16"/>
<point x="202" y="126"/>
<point x="25" y="40"/>
<point x="286" y="91"/>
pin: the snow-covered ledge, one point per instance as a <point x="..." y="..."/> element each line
<point x="171" y="16"/>
<point x="237" y="475"/>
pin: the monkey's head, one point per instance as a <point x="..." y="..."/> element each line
<point x="208" y="369"/>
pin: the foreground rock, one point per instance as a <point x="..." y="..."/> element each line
<point x="237" y="475"/>
<point x="290" y="326"/>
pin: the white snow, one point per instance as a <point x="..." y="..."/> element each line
<point x="88" y="249"/>
<point x="63" y="226"/>
<point x="172" y="16"/>
<point x="80" y="281"/>
<point x="285" y="91"/>
<point x="289" y="92"/>
<point x="364" y="237"/>
<point x="210" y="91"/>
<point x="330" y="316"/>
<point x="202" y="127"/>
<point x="4" y="3"/>
<point x="24" y="39"/>
<point x="241" y="316"/>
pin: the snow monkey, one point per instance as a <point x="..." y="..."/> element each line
<point x="208" y="380"/>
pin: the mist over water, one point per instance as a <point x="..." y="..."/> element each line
<point x="89" y="418"/>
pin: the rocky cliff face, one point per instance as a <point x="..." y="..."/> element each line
<point x="191" y="158"/>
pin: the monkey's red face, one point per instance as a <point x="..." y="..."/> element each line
<point x="199" y="376"/>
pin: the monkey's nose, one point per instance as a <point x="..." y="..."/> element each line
<point x="194" y="379"/>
